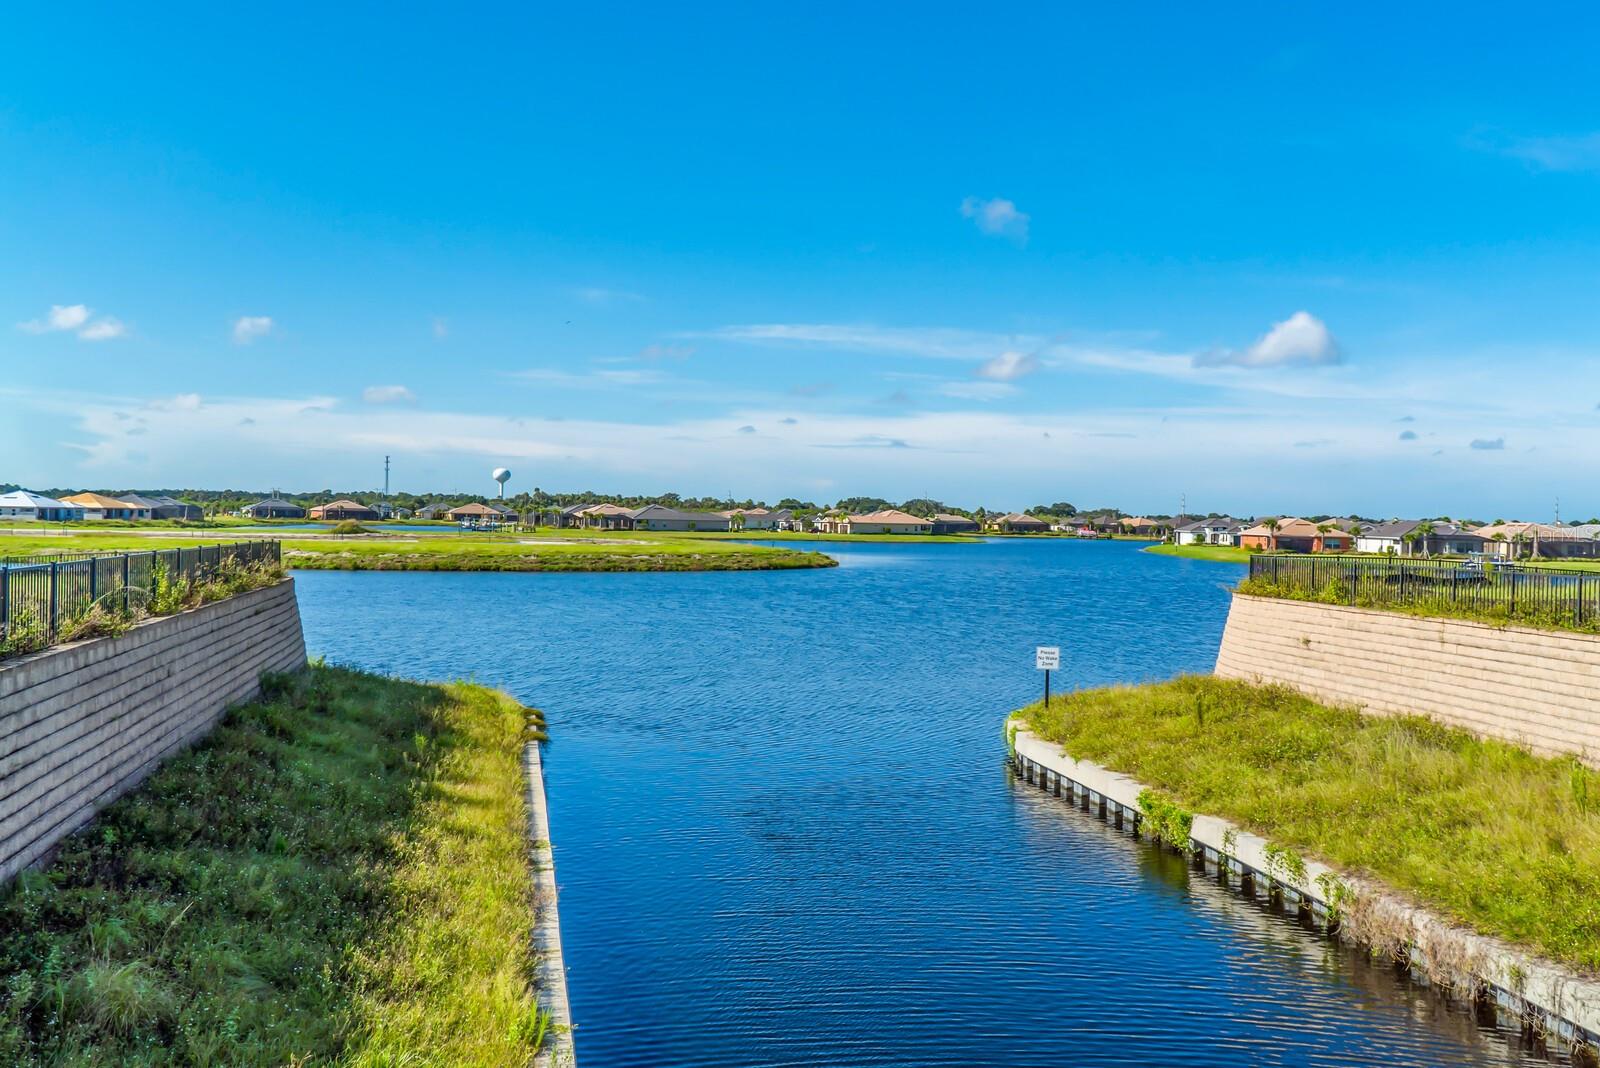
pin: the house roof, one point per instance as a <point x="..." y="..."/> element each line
<point x="1020" y="517"/>
<point x="136" y="501"/>
<point x="474" y="509"/>
<point x="94" y="500"/>
<point x="661" y="511"/>
<point x="343" y="502"/>
<point x="605" y="508"/>
<point x="25" y="499"/>
<point x="1399" y="528"/>
<point x="1291" y="527"/>
<point x="1542" y="531"/>
<point x="274" y="502"/>
<point x="951" y="517"/>
<point x="890" y="515"/>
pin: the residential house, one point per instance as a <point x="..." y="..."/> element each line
<point x="477" y="515"/>
<point x="1416" y="537"/>
<point x="751" y="518"/>
<point x="342" y="509"/>
<point x="1296" y="536"/>
<point x="99" y="506"/>
<point x="887" y="521"/>
<point x="1515" y="541"/>
<point x="432" y="511"/>
<point x="273" y="508"/>
<point x="1140" y="527"/>
<point x="1017" y="523"/>
<point x="20" y="504"/>
<point x="1214" y="530"/>
<point x="170" y="508"/>
<point x="610" y="517"/>
<point x="784" y="519"/>
<point x="830" y="522"/>
<point x="950" y="523"/>
<point x="660" y="517"/>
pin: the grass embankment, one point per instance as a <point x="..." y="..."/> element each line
<point x="1481" y="831"/>
<point x="1221" y="553"/>
<point x="799" y="536"/>
<point x="473" y="552"/>
<point x="1491" y="604"/>
<point x="338" y="875"/>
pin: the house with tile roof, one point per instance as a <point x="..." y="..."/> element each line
<point x="99" y="506"/>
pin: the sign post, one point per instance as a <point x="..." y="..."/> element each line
<point x="1047" y="658"/>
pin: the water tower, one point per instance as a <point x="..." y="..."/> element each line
<point x="501" y="475"/>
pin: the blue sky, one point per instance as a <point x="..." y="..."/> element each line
<point x="1272" y="260"/>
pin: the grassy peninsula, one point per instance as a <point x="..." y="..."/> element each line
<point x="338" y="875"/>
<point x="1480" y="831"/>
<point x="1226" y="554"/>
<point x="450" y="551"/>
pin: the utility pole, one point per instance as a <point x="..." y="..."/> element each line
<point x="386" y="479"/>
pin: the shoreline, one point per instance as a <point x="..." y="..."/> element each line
<point x="1554" y="997"/>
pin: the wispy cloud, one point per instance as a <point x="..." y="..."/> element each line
<point x="979" y="391"/>
<point x="1408" y="435"/>
<point x="933" y="342"/>
<point x="387" y="395"/>
<point x="997" y="218"/>
<point x="615" y="377"/>
<point x="1009" y="366"/>
<point x="1488" y="444"/>
<point x="651" y="353"/>
<point x="248" y="328"/>
<point x="441" y="328"/>
<point x="75" y="319"/>
<point x="1570" y="152"/>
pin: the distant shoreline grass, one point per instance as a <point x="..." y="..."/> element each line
<point x="337" y="875"/>
<point x="1484" y="832"/>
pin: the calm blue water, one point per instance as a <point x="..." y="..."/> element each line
<point x="786" y="835"/>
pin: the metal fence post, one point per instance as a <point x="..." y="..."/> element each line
<point x="54" y="572"/>
<point x="5" y="602"/>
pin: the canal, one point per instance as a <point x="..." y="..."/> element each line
<point x="786" y="835"/>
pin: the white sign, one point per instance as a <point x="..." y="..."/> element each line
<point x="1047" y="658"/>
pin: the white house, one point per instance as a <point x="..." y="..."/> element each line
<point x="20" y="504"/>
<point x="1218" y="530"/>
<point x="888" y="521"/>
<point x="1406" y="537"/>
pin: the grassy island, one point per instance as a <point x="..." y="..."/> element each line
<point x="1480" y="831"/>
<point x="1226" y="554"/>
<point x="338" y="875"/>
<point x="450" y="551"/>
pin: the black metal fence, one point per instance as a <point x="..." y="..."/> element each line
<point x="46" y="590"/>
<point x="1512" y="590"/>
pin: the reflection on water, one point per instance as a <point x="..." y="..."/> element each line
<point x="783" y="835"/>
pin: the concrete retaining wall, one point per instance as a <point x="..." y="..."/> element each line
<point x="82" y="724"/>
<point x="558" y="1050"/>
<point x="1536" y="688"/>
<point x="1555" y="998"/>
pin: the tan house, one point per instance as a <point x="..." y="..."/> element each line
<point x="99" y="506"/>
<point x="605" y="517"/>
<point x="474" y="513"/>
<point x="750" y="518"/>
<point x="1018" y="523"/>
<point x="1296" y="536"/>
<point x="888" y="521"/>
<point x="343" y="509"/>
<point x="1513" y="541"/>
<point x="1141" y="527"/>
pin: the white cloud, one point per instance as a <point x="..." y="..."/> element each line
<point x="1300" y="339"/>
<point x="1009" y="366"/>
<point x="247" y="328"/>
<point x="183" y="402"/>
<point x="74" y="318"/>
<point x="387" y="394"/>
<point x="998" y="218"/>
<point x="603" y="379"/>
<point x="106" y="329"/>
<point x="936" y="342"/>
<point x="441" y="327"/>
<point x="1489" y="444"/>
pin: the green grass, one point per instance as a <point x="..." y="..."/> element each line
<point x="1493" y="605"/>
<point x="545" y="551"/>
<point x="1221" y="553"/>
<point x="338" y="876"/>
<point x="1481" y="831"/>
